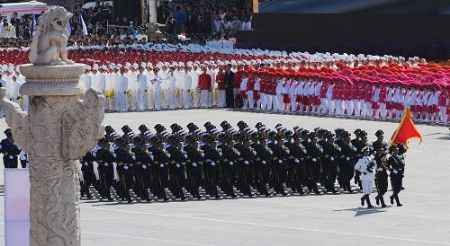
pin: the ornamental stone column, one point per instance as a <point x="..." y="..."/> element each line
<point x="62" y="124"/>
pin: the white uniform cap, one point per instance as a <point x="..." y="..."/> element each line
<point x="95" y="66"/>
<point x="104" y="67"/>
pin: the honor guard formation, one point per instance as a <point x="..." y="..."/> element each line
<point x="191" y="164"/>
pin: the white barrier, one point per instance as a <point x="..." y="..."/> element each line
<point x="17" y="206"/>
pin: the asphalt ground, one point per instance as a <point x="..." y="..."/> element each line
<point x="294" y="220"/>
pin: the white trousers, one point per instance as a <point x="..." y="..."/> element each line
<point x="250" y="100"/>
<point x="367" y="186"/>
<point x="158" y="99"/>
<point x="122" y="101"/>
<point x="221" y="98"/>
<point x="186" y="99"/>
<point x="204" y="98"/>
<point x="142" y="100"/>
<point x="171" y="99"/>
<point x="443" y="114"/>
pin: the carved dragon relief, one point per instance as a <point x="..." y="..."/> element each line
<point x="81" y="125"/>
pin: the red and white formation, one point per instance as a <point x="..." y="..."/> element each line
<point x="361" y="86"/>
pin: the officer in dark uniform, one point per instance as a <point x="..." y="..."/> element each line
<point x="9" y="150"/>
<point x="177" y="166"/>
<point x="144" y="161"/>
<point x="397" y="165"/>
<point x="161" y="162"/>
<point x="194" y="166"/>
<point x="125" y="168"/>
<point x="381" y="175"/>
<point x="105" y="160"/>
<point x="211" y="166"/>
<point x="87" y="169"/>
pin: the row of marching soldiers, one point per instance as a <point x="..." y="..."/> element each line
<point x="230" y="162"/>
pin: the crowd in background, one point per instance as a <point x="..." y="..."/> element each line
<point x="196" y="22"/>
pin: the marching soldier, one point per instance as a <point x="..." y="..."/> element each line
<point x="211" y="167"/>
<point x="279" y="165"/>
<point x="329" y="162"/>
<point x="229" y="163"/>
<point x="125" y="163"/>
<point x="177" y="166"/>
<point x="381" y="176"/>
<point x="346" y="159"/>
<point x="161" y="162"/>
<point x="314" y="165"/>
<point x="299" y="154"/>
<point x="142" y="168"/>
<point x="106" y="161"/>
<point x="263" y="164"/>
<point x="366" y="166"/>
<point x="397" y="165"/>
<point x="247" y="157"/>
<point x="194" y="166"/>
<point x="87" y="169"/>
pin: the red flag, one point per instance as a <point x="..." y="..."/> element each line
<point x="406" y="130"/>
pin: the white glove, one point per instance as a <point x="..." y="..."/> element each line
<point x="125" y="167"/>
<point x="231" y="163"/>
<point x="178" y="165"/>
<point x="348" y="158"/>
<point x="314" y="159"/>
<point x="161" y="165"/>
<point x="395" y="171"/>
<point x="85" y="164"/>
<point x="144" y="166"/>
<point x="264" y="162"/>
<point x="296" y="160"/>
<point x="332" y="158"/>
<point x="213" y="163"/>
<point x="280" y="161"/>
<point x="246" y="162"/>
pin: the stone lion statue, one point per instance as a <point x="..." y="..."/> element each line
<point x="49" y="45"/>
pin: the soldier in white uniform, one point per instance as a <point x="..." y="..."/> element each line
<point x="142" y="92"/>
<point x="122" y="90"/>
<point x="85" y="78"/>
<point x="366" y="165"/>
<point x="179" y="75"/>
<point x="163" y="76"/>
<point x="172" y="102"/>
<point x="187" y="86"/>
<point x="157" y="90"/>
<point x="195" y="90"/>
